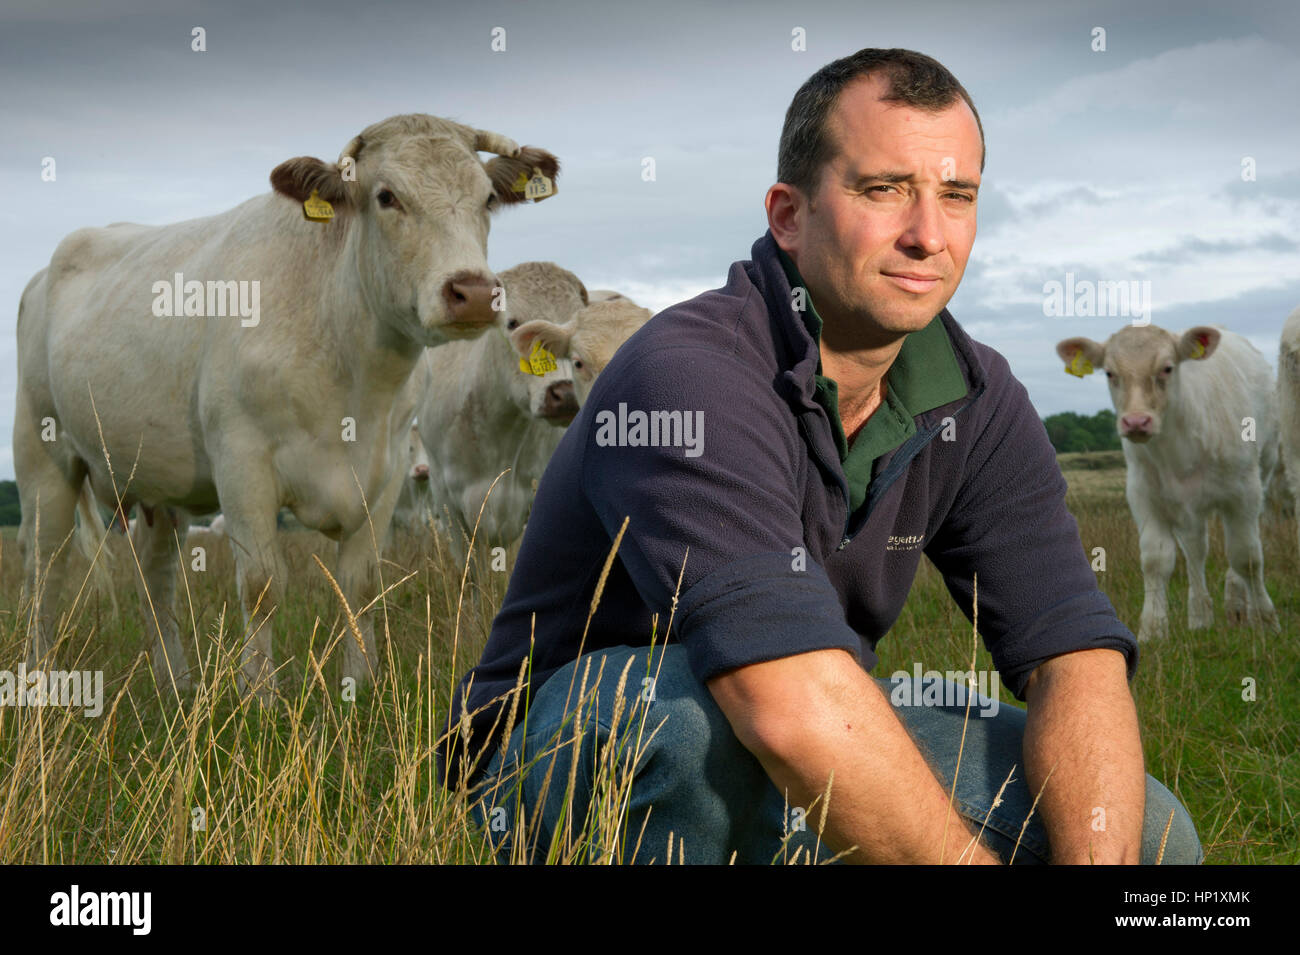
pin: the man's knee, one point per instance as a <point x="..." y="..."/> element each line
<point x="623" y="702"/>
<point x="1181" y="846"/>
<point x="649" y="704"/>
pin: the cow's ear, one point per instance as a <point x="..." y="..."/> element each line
<point x="299" y="177"/>
<point x="1071" y="349"/>
<point x="1198" y="342"/>
<point x="554" y="338"/>
<point x="506" y="172"/>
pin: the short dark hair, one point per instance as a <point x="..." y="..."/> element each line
<point x="915" y="79"/>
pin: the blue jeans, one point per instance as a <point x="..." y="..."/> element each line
<point x="694" y="779"/>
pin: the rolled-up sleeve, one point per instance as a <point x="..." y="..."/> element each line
<point x="725" y="514"/>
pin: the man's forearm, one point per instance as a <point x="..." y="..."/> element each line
<point x="1082" y="721"/>
<point x="884" y="799"/>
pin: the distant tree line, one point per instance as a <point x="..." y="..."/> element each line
<point x="1070" y="431"/>
<point x="10" y="512"/>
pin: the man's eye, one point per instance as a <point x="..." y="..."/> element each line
<point x="963" y="196"/>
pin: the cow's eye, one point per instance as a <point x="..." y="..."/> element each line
<point x="577" y="363"/>
<point x="1168" y="369"/>
<point x="512" y="324"/>
<point x="386" y="199"/>
<point x="491" y="201"/>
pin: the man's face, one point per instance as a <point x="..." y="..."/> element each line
<point x="884" y="242"/>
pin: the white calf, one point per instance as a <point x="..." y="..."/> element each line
<point x="482" y="415"/>
<point x="1198" y="415"/>
<point x="589" y="341"/>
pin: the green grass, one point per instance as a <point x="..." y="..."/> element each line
<point x="319" y="778"/>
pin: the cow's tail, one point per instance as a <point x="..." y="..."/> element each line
<point x="91" y="539"/>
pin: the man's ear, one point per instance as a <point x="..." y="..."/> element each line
<point x="504" y="171"/>
<point x="782" y="203"/>
<point x="299" y="177"/>
<point x="554" y="338"/>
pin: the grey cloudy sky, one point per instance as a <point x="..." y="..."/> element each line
<point x="1117" y="165"/>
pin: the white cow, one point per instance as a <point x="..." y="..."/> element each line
<point x="1288" y="393"/>
<point x="1198" y="415"/>
<point x="482" y="415"/>
<point x="256" y="358"/>
<point x="589" y="341"/>
<point x="413" y="506"/>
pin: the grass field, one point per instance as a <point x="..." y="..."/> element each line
<point x="323" y="778"/>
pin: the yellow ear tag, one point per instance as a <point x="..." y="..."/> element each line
<point x="539" y="187"/>
<point x="317" y="209"/>
<point x="1080" y="366"/>
<point x="539" y="361"/>
<point x="1200" y="349"/>
<point x="520" y="184"/>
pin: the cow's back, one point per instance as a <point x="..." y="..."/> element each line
<point x="153" y="376"/>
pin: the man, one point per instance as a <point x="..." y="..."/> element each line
<point x="848" y="423"/>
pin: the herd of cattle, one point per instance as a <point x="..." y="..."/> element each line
<point x="362" y="271"/>
<point x="387" y="375"/>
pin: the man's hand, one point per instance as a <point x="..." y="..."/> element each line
<point x="1082" y="721"/>
<point x="806" y="715"/>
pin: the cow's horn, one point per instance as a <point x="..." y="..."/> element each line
<point x="352" y="149"/>
<point x="489" y="142"/>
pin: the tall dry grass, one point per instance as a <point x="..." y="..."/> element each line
<point x="320" y="777"/>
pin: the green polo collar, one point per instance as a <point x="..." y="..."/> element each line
<point x="924" y="376"/>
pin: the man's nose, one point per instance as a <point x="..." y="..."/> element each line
<point x="924" y="229"/>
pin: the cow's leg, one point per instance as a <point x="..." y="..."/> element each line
<point x="358" y="571"/>
<point x="44" y="482"/>
<point x="1291" y="457"/>
<point x="1244" y="593"/>
<point x="1194" y="539"/>
<point x="45" y="559"/>
<point x="155" y="541"/>
<point x="359" y="581"/>
<point x="1159" y="555"/>
<point x="250" y="505"/>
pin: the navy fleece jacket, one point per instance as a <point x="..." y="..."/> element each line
<point x="983" y="495"/>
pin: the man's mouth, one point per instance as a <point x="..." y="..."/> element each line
<point x="913" y="281"/>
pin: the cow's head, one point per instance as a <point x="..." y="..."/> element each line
<point x="542" y="292"/>
<point x="417" y="457"/>
<point x="1141" y="365"/>
<point x="589" y="341"/>
<point x="415" y="201"/>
